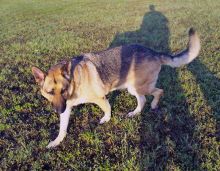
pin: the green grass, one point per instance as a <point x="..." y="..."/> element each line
<point x="184" y="135"/>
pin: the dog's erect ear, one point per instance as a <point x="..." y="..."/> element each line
<point x="38" y="75"/>
<point x="66" y="70"/>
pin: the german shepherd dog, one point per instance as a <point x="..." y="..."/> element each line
<point x="90" y="77"/>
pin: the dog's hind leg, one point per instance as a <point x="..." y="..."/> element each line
<point x="105" y="106"/>
<point x="157" y="93"/>
<point x="140" y="101"/>
<point x="150" y="89"/>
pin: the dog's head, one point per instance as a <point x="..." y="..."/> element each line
<point x="56" y="85"/>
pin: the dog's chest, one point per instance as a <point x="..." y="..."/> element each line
<point x="75" y="102"/>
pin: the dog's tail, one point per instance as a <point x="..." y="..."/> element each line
<point x="185" y="56"/>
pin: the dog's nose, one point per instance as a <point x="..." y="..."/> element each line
<point x="59" y="110"/>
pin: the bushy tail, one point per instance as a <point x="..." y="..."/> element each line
<point x="187" y="55"/>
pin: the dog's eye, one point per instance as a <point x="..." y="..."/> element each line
<point x="63" y="91"/>
<point x="51" y="92"/>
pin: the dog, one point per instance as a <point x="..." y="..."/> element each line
<point x="88" y="78"/>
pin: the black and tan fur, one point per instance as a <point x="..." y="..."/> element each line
<point x="90" y="77"/>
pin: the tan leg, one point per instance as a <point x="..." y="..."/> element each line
<point x="140" y="101"/>
<point x="157" y="93"/>
<point x="105" y="106"/>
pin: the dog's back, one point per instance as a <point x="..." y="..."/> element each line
<point x="116" y="64"/>
<point x="138" y="65"/>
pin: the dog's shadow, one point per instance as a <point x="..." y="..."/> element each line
<point x="168" y="132"/>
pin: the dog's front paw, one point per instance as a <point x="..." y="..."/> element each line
<point x="53" y="144"/>
<point x="104" y="119"/>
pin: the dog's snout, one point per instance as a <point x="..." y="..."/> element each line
<point x="59" y="108"/>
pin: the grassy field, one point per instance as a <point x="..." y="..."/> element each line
<point x="183" y="135"/>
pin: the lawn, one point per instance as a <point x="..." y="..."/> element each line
<point x="183" y="135"/>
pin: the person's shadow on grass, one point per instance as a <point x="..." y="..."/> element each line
<point x="165" y="136"/>
<point x="153" y="33"/>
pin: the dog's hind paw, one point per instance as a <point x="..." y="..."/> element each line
<point x="104" y="119"/>
<point x="53" y="144"/>
<point x="131" y="114"/>
<point x="155" y="110"/>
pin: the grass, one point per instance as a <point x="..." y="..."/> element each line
<point x="184" y="135"/>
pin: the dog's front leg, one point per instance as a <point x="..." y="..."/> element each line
<point x="64" y="120"/>
<point x="105" y="106"/>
